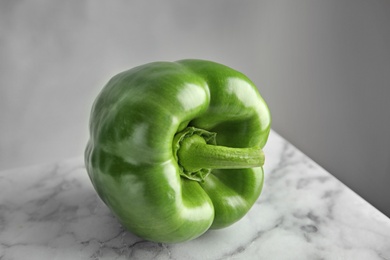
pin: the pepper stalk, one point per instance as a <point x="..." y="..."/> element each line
<point x="197" y="154"/>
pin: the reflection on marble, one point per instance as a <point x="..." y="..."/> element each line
<point x="52" y="212"/>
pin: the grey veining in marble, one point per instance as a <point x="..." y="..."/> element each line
<point x="52" y="212"/>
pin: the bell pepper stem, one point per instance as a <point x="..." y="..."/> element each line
<point x="197" y="154"/>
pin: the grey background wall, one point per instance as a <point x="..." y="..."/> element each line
<point x="323" y="67"/>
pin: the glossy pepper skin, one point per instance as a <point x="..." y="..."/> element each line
<point x="140" y="124"/>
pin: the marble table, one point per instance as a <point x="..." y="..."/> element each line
<point x="52" y="212"/>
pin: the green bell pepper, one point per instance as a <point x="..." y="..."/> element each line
<point x="176" y="148"/>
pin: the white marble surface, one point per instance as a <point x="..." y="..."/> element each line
<point x="52" y="212"/>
